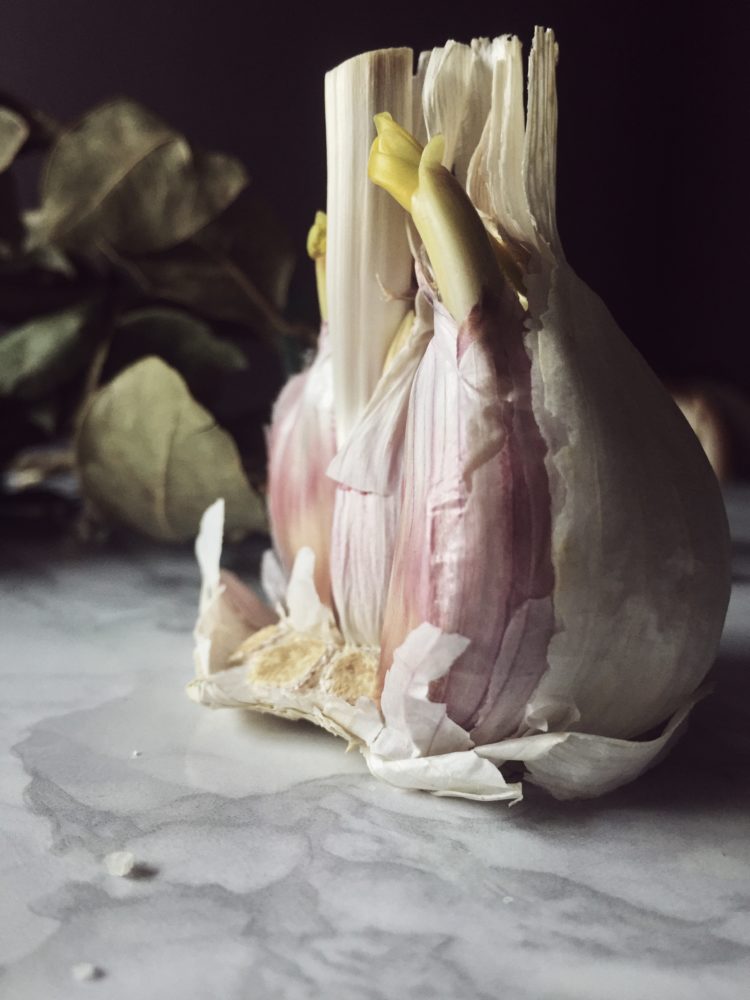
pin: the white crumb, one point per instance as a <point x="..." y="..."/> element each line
<point x="135" y="753"/>
<point x="120" y="863"/>
<point x="85" y="971"/>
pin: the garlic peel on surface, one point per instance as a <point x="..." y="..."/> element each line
<point x="528" y="556"/>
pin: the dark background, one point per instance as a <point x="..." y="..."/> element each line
<point x="654" y="118"/>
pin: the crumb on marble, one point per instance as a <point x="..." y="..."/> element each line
<point x="85" y="972"/>
<point x="120" y="863"/>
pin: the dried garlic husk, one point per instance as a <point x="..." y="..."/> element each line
<point x="529" y="555"/>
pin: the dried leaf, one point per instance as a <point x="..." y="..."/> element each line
<point x="183" y="341"/>
<point x="251" y="236"/>
<point x="43" y="353"/>
<point x="13" y="133"/>
<point x="122" y="177"/>
<point x="38" y="282"/>
<point x="11" y="227"/>
<point x="150" y="456"/>
<point x="18" y="429"/>
<point x="235" y="269"/>
<point x="41" y="127"/>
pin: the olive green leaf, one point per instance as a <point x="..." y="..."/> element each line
<point x="40" y="355"/>
<point x="122" y="177"/>
<point x="13" y="134"/>
<point x="151" y="457"/>
<point x="236" y="269"/>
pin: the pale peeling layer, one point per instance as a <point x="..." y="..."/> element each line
<point x="368" y="495"/>
<point x="416" y="726"/>
<point x="364" y="537"/>
<point x="457" y="775"/>
<point x="567" y="765"/>
<point x="228" y="610"/>
<point x="456" y="98"/>
<point x="371" y="459"/>
<point x="495" y="180"/>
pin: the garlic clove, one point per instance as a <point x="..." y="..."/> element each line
<point x="635" y="507"/>
<point x="301" y="443"/>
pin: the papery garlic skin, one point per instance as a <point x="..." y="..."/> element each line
<point x="368" y="471"/>
<point x="361" y="560"/>
<point x="640" y="537"/>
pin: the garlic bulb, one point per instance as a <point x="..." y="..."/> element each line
<point x="529" y="555"/>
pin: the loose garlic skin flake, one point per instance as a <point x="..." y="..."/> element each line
<point x="529" y="556"/>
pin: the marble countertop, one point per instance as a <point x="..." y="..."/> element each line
<point x="270" y="864"/>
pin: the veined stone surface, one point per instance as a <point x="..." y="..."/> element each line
<point x="270" y="864"/>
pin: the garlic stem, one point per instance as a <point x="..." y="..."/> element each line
<point x="454" y="236"/>
<point x="367" y="249"/>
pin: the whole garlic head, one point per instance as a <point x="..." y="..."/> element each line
<point x="529" y="554"/>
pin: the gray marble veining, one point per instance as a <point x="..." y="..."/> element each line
<point x="271" y="865"/>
